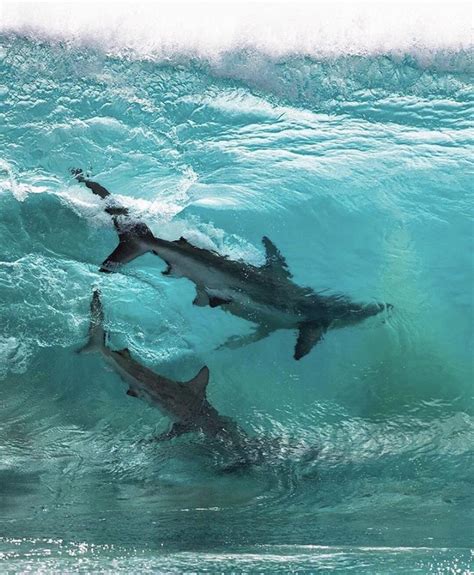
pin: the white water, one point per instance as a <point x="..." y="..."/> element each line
<point x="209" y="29"/>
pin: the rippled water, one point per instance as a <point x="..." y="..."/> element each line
<point x="360" y="170"/>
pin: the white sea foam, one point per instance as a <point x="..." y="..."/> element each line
<point x="209" y="30"/>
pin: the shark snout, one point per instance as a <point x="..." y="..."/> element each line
<point x="376" y="308"/>
<point x="380" y="307"/>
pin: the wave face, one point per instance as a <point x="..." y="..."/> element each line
<point x="358" y="165"/>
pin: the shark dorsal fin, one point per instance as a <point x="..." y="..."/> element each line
<point x="181" y="242"/>
<point x="125" y="352"/>
<point x="274" y="260"/>
<point x="199" y="383"/>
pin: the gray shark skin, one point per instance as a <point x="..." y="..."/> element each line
<point x="264" y="295"/>
<point x="184" y="402"/>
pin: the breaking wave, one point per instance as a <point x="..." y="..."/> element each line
<point x="349" y="143"/>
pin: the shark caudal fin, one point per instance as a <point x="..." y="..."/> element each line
<point x="96" y="326"/>
<point x="95" y="188"/>
<point x="132" y="234"/>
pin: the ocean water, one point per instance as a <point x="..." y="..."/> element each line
<point x="357" y="163"/>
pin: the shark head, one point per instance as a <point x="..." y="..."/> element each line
<point x="356" y="313"/>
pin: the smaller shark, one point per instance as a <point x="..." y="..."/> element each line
<point x="265" y="295"/>
<point x="184" y="402"/>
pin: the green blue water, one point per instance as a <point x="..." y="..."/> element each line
<point x="359" y="168"/>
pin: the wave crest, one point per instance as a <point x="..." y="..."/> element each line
<point x="211" y="31"/>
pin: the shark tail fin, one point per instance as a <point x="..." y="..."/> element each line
<point x="96" y="327"/>
<point x="200" y="381"/>
<point x="96" y="188"/>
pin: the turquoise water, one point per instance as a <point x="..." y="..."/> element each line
<point x="359" y="168"/>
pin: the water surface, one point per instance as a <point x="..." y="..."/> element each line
<point x="359" y="168"/>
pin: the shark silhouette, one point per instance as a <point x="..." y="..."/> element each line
<point x="184" y="402"/>
<point x="265" y="295"/>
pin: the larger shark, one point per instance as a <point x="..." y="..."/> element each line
<point x="184" y="402"/>
<point x="265" y="295"/>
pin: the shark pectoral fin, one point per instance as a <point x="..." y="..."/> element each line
<point x="127" y="250"/>
<point x="235" y="342"/>
<point x="169" y="268"/>
<point x="131" y="392"/>
<point x="201" y="299"/>
<point x="274" y="260"/>
<point x="176" y="430"/>
<point x="309" y="335"/>
<point x="215" y="301"/>
<point x="200" y="381"/>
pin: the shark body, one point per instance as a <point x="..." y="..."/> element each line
<point x="184" y="402"/>
<point x="265" y="295"/>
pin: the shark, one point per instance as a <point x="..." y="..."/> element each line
<point x="264" y="295"/>
<point x="185" y="403"/>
